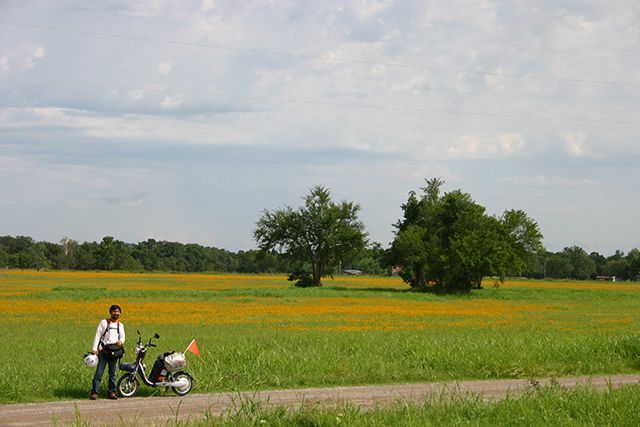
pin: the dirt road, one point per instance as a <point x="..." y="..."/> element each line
<point x="152" y="410"/>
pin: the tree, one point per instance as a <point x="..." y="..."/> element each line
<point x="524" y="238"/>
<point x="572" y="263"/>
<point x="4" y="258"/>
<point x="537" y="268"/>
<point x="616" y="267"/>
<point x="416" y="244"/>
<point x="195" y="257"/>
<point x="559" y="266"/>
<point x="599" y="260"/>
<point x="87" y="256"/>
<point x="633" y="258"/>
<point x="370" y="260"/>
<point x="319" y="234"/>
<point x="24" y="252"/>
<point x="582" y="266"/>
<point x="448" y="243"/>
<point x="66" y="257"/>
<point x="115" y="255"/>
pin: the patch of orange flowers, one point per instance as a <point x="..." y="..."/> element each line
<point x="601" y="286"/>
<point x="30" y="296"/>
<point x="354" y="313"/>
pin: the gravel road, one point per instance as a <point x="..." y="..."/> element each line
<point x="159" y="410"/>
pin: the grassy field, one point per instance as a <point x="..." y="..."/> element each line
<point x="258" y="332"/>
<point x="551" y="406"/>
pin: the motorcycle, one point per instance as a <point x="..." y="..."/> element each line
<point x="163" y="374"/>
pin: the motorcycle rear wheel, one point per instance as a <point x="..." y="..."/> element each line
<point x="128" y="385"/>
<point x="182" y="376"/>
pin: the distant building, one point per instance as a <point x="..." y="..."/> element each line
<point x="606" y="278"/>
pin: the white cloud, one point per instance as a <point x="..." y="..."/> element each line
<point x="35" y="54"/>
<point x="496" y="80"/>
<point x="169" y="102"/>
<point x="465" y="147"/>
<point x="365" y="9"/>
<point x="575" y="144"/>
<point x="511" y="143"/>
<point x="165" y="68"/>
<point x="207" y="5"/>
<point x="486" y="147"/>
<point x="38" y="52"/>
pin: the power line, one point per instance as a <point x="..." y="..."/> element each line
<point x="324" y="58"/>
<point x="327" y="103"/>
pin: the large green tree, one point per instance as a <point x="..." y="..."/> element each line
<point x="448" y="243"/>
<point x="582" y="266"/>
<point x="319" y="234"/>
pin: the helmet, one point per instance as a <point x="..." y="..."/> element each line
<point x="91" y="360"/>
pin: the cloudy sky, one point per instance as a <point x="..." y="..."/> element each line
<point x="182" y="121"/>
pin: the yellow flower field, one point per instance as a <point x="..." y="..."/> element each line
<point x="209" y="299"/>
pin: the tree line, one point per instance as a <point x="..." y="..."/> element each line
<point x="23" y="252"/>
<point x="443" y="242"/>
<point x="575" y="263"/>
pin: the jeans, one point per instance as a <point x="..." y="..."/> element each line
<point x="103" y="360"/>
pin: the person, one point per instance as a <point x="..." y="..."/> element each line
<point x="109" y="331"/>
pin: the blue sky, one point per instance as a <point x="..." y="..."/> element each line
<point x="184" y="120"/>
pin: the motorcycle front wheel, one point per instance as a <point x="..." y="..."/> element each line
<point x="128" y="385"/>
<point x="184" y="378"/>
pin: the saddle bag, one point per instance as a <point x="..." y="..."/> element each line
<point x="175" y="361"/>
<point x="113" y="351"/>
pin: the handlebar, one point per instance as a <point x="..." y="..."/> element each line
<point x="149" y="344"/>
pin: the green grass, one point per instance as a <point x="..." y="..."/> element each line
<point x="551" y="406"/>
<point x="45" y="362"/>
<point x="43" y="354"/>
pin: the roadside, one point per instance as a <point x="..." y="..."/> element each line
<point x="159" y="410"/>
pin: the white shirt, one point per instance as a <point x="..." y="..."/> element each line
<point x="111" y="337"/>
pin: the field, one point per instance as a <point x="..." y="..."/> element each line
<point x="547" y="407"/>
<point x="258" y="332"/>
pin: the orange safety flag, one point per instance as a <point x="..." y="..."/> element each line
<point x="193" y="348"/>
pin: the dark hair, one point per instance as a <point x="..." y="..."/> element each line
<point x="115" y="307"/>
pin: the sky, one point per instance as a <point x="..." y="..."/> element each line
<point x="183" y="121"/>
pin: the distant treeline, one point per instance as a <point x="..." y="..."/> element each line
<point x="575" y="263"/>
<point x="151" y="255"/>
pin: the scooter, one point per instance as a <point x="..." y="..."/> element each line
<point x="180" y="382"/>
